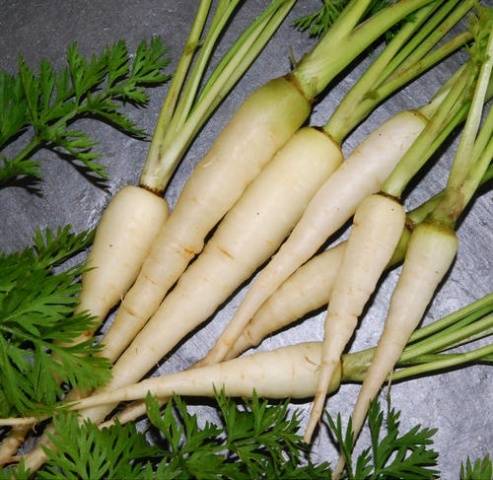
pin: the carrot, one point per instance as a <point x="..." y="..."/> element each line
<point x="141" y="214"/>
<point x="292" y="371"/>
<point x="424" y="355"/>
<point x="376" y="218"/>
<point x="128" y="225"/>
<point x="261" y="126"/>
<point x="246" y="237"/>
<point x="362" y="174"/>
<point x="433" y="245"/>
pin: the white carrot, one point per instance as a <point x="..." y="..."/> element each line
<point x="365" y="171"/>
<point x="433" y="244"/>
<point x="286" y="372"/>
<point x="368" y="253"/>
<point x="261" y="126"/>
<point x="377" y="227"/>
<point x="246" y="237"/>
<point x="298" y="374"/>
<point x="117" y="253"/>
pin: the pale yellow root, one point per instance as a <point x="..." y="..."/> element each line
<point x="248" y="235"/>
<point x="360" y="175"/>
<point x="305" y="291"/>
<point x="289" y="372"/>
<point x="377" y="228"/>
<point x="262" y="125"/>
<point x="246" y="238"/>
<point x="123" y="239"/>
<point x="430" y="254"/>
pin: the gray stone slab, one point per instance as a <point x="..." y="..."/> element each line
<point x="458" y="402"/>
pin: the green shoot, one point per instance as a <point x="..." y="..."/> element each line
<point x="424" y="352"/>
<point x="45" y="104"/>
<point x="475" y="149"/>
<point x="331" y="55"/>
<point x="175" y="131"/>
<point x="38" y="323"/>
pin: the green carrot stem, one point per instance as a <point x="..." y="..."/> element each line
<point x="449" y="361"/>
<point x="451" y="319"/>
<point x="344" y="119"/>
<point x="461" y="164"/>
<point x="472" y="181"/>
<point x="449" y="340"/>
<point x="434" y="30"/>
<point x="406" y="75"/>
<point x="249" y="55"/>
<point x="420" y="151"/>
<point x="223" y="14"/>
<point x="228" y="71"/>
<point x="175" y="88"/>
<point x="345" y="41"/>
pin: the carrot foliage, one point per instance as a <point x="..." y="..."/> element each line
<point x="43" y="105"/>
<point x="38" y="295"/>
<point x="252" y="440"/>
<point x="392" y="455"/>
<point x="317" y="23"/>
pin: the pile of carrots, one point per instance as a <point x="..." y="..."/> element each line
<point x="269" y="194"/>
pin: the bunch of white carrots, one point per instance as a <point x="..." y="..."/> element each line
<point x="266" y="181"/>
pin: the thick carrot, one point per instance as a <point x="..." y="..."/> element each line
<point x="360" y="175"/>
<point x="261" y="126"/>
<point x="286" y="372"/>
<point x="123" y="238"/>
<point x="248" y="235"/>
<point x="215" y="185"/>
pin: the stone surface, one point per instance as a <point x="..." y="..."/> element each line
<point x="457" y="403"/>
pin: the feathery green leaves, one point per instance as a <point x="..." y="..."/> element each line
<point x="46" y="103"/>
<point x="254" y="440"/>
<point x="319" y="22"/>
<point x="391" y="455"/>
<point x="481" y="469"/>
<point x="38" y="324"/>
<point x="84" y="452"/>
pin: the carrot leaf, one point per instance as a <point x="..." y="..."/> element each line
<point x="317" y="23"/>
<point x="37" y="324"/>
<point x="391" y="455"/>
<point x="42" y="105"/>
<point x="481" y="469"/>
